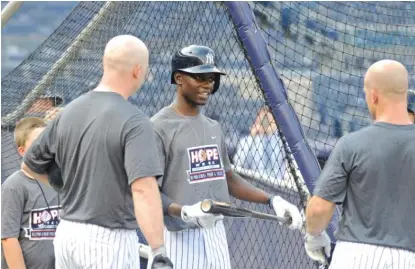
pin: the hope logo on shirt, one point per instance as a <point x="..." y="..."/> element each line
<point x="43" y="223"/>
<point x="205" y="164"/>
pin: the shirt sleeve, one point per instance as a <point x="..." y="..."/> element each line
<point x="332" y="182"/>
<point x="140" y="150"/>
<point x="41" y="155"/>
<point x="165" y="203"/>
<point x="12" y="206"/>
<point x="161" y="150"/>
<point x="225" y="157"/>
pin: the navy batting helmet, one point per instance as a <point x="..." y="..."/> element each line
<point x="196" y="59"/>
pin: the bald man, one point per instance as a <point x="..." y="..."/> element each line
<point x="105" y="148"/>
<point x="371" y="173"/>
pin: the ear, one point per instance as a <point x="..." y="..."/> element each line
<point x="374" y="96"/>
<point x="178" y="77"/>
<point x="21" y="151"/>
<point x="137" y="71"/>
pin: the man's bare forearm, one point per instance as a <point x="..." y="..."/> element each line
<point x="148" y="211"/>
<point x="243" y="190"/>
<point x="13" y="253"/>
<point x="318" y="215"/>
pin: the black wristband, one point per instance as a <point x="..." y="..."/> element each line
<point x="270" y="201"/>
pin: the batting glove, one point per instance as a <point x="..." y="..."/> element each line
<point x="318" y="247"/>
<point x="283" y="209"/>
<point x="159" y="259"/>
<point x="195" y="215"/>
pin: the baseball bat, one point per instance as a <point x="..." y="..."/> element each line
<point x="214" y="207"/>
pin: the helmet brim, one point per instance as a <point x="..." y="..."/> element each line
<point x="201" y="69"/>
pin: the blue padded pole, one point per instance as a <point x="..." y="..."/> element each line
<point x="276" y="95"/>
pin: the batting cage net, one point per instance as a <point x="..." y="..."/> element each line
<point x="320" y="50"/>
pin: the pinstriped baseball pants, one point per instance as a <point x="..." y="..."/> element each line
<point x="198" y="248"/>
<point x="349" y="255"/>
<point x="88" y="246"/>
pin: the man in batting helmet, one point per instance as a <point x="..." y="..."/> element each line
<point x="196" y="61"/>
<point x="197" y="167"/>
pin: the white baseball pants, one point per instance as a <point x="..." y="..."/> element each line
<point x="198" y="248"/>
<point x="88" y="246"/>
<point x="349" y="255"/>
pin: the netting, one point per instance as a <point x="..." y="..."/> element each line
<point x="322" y="50"/>
<point x="68" y="64"/>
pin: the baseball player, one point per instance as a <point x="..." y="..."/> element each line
<point x="196" y="167"/>
<point x="107" y="185"/>
<point x="30" y="211"/>
<point x="371" y="173"/>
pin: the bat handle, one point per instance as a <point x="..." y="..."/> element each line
<point x="287" y="219"/>
<point x="206" y="205"/>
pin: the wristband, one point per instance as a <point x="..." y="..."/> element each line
<point x="270" y="201"/>
<point x="160" y="250"/>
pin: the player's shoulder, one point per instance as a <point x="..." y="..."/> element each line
<point x="165" y="123"/>
<point x="162" y="115"/>
<point x="210" y="120"/>
<point x="15" y="182"/>
<point x="127" y="110"/>
<point x="213" y="125"/>
<point x="136" y="113"/>
<point x="135" y="119"/>
<point x="374" y="130"/>
<point x="349" y="140"/>
<point x="109" y="102"/>
<point x="165" y="119"/>
<point x="355" y="139"/>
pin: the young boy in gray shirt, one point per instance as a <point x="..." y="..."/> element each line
<point x="30" y="211"/>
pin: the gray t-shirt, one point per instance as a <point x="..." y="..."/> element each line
<point x="102" y="144"/>
<point x="194" y="158"/>
<point x="372" y="174"/>
<point x="30" y="213"/>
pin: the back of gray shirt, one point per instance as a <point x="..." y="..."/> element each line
<point x="102" y="144"/>
<point x="194" y="158"/>
<point x="30" y="213"/>
<point x="372" y="174"/>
